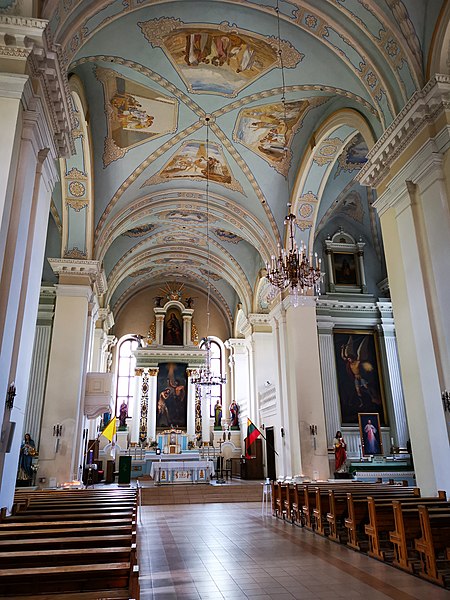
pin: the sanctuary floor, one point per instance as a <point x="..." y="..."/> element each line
<point x="231" y="551"/>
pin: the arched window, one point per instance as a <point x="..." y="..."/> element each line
<point x="126" y="364"/>
<point x="216" y="369"/>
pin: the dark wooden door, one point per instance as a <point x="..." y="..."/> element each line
<point x="270" y="453"/>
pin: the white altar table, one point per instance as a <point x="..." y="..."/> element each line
<point x="189" y="471"/>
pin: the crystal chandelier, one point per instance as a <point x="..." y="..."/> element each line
<point x="206" y="378"/>
<point x="291" y="268"/>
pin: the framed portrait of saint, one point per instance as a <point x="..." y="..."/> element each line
<point x="171" y="406"/>
<point x="358" y="373"/>
<point x="345" y="268"/>
<point x="370" y="433"/>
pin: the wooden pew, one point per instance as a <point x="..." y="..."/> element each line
<point x="89" y="539"/>
<point x="433" y="544"/>
<point x="382" y="521"/>
<point x="283" y="489"/>
<point x="358" y="512"/>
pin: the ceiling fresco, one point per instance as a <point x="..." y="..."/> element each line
<point x="158" y="77"/>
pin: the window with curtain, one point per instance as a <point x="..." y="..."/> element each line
<point x="125" y="375"/>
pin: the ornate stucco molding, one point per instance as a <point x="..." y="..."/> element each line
<point x="26" y="48"/>
<point x="81" y="269"/>
<point x="423" y="109"/>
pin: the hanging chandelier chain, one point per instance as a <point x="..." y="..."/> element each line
<point x="292" y="267"/>
<point x="208" y="249"/>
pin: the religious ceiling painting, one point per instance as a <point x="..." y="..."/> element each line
<point x="217" y="59"/>
<point x="209" y="274"/>
<point x="181" y="237"/>
<point x="143" y="271"/>
<point x="227" y="236"/>
<point x="353" y="156"/>
<point x="190" y="162"/>
<point x="134" y="114"/>
<point x="268" y="130"/>
<point x="183" y="216"/>
<point x="139" y="231"/>
<point x="175" y="261"/>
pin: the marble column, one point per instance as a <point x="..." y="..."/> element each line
<point x="329" y="380"/>
<point x="39" y="362"/>
<point x="388" y="344"/>
<point x="190" y="426"/>
<point x="152" y="401"/>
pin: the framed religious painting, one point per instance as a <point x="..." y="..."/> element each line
<point x="171" y="405"/>
<point x="358" y="373"/>
<point x="345" y="268"/>
<point x="370" y="433"/>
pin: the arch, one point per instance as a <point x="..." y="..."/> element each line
<point x="439" y="53"/>
<point x="305" y="201"/>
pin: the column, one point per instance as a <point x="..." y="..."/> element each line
<point x="329" y="382"/>
<point x="190" y="429"/>
<point x="407" y="168"/>
<point x="152" y="402"/>
<point x="58" y="457"/>
<point x="388" y="343"/>
<point x="39" y="362"/>
<point x="135" y="421"/>
<point x="305" y="399"/>
<point x="35" y="125"/>
<point x="241" y="378"/>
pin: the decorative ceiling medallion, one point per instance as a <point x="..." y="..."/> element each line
<point x="215" y="59"/>
<point x="134" y="113"/>
<point x="74" y="182"/>
<point x="212" y="276"/>
<point x="139" y="231"/>
<point x="189" y="162"/>
<point x="306" y="207"/>
<point x="353" y="156"/>
<point x="267" y="131"/>
<point x="327" y="151"/>
<point x="227" y="236"/>
<point x="77" y="189"/>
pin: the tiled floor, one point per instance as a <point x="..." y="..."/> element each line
<point x="230" y="551"/>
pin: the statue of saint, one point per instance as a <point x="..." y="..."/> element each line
<point x="123" y="415"/>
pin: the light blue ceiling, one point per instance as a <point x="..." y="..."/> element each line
<point x="337" y="54"/>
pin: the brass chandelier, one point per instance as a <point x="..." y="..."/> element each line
<point x="291" y="268"/>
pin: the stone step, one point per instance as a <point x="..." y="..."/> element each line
<point x="201" y="493"/>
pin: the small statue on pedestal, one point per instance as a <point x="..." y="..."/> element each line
<point x="123" y="415"/>
<point x="234" y="415"/>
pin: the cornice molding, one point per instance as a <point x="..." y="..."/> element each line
<point x="81" y="268"/>
<point x="25" y="43"/>
<point x="422" y="109"/>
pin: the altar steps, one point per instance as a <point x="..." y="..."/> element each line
<point x="249" y="491"/>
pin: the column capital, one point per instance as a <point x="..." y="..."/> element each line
<point x="106" y="317"/>
<point x="70" y="270"/>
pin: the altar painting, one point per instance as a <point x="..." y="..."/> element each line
<point x="267" y="130"/>
<point x="171" y="407"/>
<point x="358" y="375"/>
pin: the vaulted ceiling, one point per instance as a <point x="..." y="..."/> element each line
<point x="160" y="80"/>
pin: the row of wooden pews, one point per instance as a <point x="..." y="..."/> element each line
<point x="70" y="544"/>
<point x="392" y="523"/>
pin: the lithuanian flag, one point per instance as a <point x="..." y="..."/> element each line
<point x="253" y="434"/>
